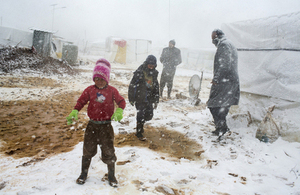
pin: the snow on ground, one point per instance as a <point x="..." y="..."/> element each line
<point x="239" y="164"/>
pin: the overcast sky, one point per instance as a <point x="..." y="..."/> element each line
<point x="189" y="22"/>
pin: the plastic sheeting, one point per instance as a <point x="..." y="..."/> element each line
<point x="70" y="53"/>
<point x="269" y="55"/>
<point x="200" y="59"/>
<point x="13" y="37"/>
<point x="277" y="32"/>
<point x="271" y="73"/>
<point x="42" y="42"/>
<point x="136" y="50"/>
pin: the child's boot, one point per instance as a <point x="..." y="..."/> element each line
<point x="140" y="131"/>
<point x="111" y="175"/>
<point x="84" y="170"/>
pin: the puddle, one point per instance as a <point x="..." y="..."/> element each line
<point x="160" y="139"/>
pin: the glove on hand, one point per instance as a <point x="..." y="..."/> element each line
<point x="118" y="115"/>
<point x="73" y="114"/>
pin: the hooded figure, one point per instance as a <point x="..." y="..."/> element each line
<point x="143" y="92"/>
<point x="170" y="58"/>
<point x="225" y="90"/>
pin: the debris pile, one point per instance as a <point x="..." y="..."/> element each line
<point x="25" y="60"/>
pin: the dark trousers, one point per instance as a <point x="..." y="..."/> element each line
<point x="144" y="111"/>
<point x="219" y="114"/>
<point x="167" y="77"/>
<point x="102" y="135"/>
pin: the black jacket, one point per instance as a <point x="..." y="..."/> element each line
<point x="139" y="91"/>
<point x="170" y="58"/>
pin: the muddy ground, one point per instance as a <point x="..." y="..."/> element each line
<point x="31" y="128"/>
<point x="36" y="126"/>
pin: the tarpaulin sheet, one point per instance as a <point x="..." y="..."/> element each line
<point x="269" y="55"/>
<point x="277" y="32"/>
<point x="13" y="37"/>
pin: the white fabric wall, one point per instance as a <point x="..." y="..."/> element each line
<point x="271" y="73"/>
<point x="266" y="33"/>
<point x="269" y="55"/>
<point x="10" y="36"/>
<point x="200" y="59"/>
<point x="137" y="50"/>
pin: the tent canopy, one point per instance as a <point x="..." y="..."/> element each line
<point x="13" y="37"/>
<point x="277" y="32"/>
<point x="269" y="55"/>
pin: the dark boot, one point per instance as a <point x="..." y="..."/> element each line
<point x="225" y="130"/>
<point x="221" y="129"/>
<point x="140" y="131"/>
<point x="111" y="175"/>
<point x="216" y="132"/>
<point x="84" y="170"/>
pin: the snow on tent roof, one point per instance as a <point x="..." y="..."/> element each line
<point x="13" y="37"/>
<point x="269" y="60"/>
<point x="276" y="32"/>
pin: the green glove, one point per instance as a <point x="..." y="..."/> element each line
<point x="73" y="114"/>
<point x="118" y="115"/>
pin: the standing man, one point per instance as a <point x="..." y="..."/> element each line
<point x="225" y="89"/>
<point x="170" y="58"/>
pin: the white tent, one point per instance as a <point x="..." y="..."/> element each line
<point x="124" y="51"/>
<point x="13" y="37"/>
<point x="119" y="50"/>
<point x="198" y="59"/>
<point x="269" y="60"/>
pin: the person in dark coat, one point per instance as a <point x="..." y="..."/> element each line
<point x="143" y="92"/>
<point x="225" y="90"/>
<point x="170" y="58"/>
